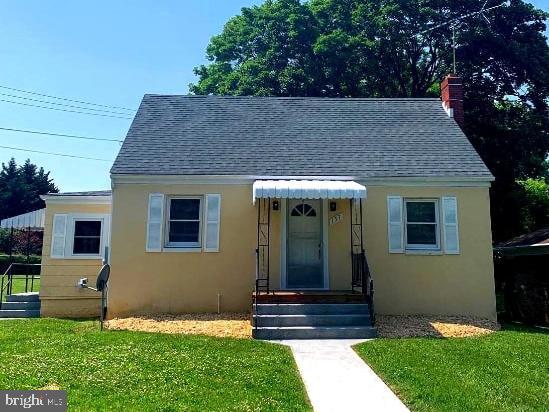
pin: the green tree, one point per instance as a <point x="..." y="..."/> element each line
<point x="379" y="48"/>
<point x="265" y="51"/>
<point x="535" y="213"/>
<point x="21" y="187"/>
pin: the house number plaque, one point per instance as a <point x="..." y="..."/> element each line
<point x="336" y="219"/>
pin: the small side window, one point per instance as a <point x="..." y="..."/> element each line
<point x="422" y="229"/>
<point x="87" y="237"/>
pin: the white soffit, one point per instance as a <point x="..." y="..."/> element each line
<point x="308" y="189"/>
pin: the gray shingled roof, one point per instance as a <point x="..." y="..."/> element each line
<point x="538" y="237"/>
<point x="270" y="136"/>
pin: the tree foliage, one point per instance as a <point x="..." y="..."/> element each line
<point x="20" y="242"/>
<point x="536" y="193"/>
<point x="21" y="187"/>
<point x="379" y="48"/>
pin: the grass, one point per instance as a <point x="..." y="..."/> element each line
<point x="504" y="371"/>
<point x="18" y="285"/>
<point x="136" y="371"/>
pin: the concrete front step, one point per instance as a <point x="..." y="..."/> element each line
<point x="312" y="309"/>
<point x="21" y="305"/>
<point x="313" y="320"/>
<point x="23" y="297"/>
<point x="25" y="313"/>
<point x="315" y="332"/>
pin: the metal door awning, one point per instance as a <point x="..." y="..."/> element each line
<point x="308" y="189"/>
<point x="33" y="220"/>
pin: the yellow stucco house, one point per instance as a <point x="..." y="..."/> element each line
<point x="218" y="202"/>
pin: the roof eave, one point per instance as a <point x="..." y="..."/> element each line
<point x="454" y="181"/>
<point x="60" y="199"/>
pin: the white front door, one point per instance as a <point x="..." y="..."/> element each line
<point x="304" y="245"/>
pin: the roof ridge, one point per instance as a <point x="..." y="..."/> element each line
<point x="192" y="96"/>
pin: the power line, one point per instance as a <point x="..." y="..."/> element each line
<point x="72" y="136"/>
<point x="63" y="104"/>
<point x="64" y="110"/>
<point x="54" y="154"/>
<point x="63" y="98"/>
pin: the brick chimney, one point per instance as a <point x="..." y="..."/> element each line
<point x="451" y="90"/>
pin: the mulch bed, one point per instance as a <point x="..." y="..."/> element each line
<point x="235" y="325"/>
<point x="433" y="326"/>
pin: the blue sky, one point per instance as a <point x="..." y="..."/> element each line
<point x="107" y="52"/>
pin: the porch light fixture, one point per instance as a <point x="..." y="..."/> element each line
<point x="276" y="205"/>
<point x="333" y="206"/>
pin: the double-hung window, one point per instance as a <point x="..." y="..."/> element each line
<point x="422" y="231"/>
<point x="79" y="236"/>
<point x="87" y="237"/>
<point x="184" y="222"/>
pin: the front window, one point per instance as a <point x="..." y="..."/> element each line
<point x="422" y="225"/>
<point x="184" y="222"/>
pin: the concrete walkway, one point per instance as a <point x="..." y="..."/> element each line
<point x="337" y="379"/>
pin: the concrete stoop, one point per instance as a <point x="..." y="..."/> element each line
<point x="276" y="321"/>
<point x="21" y="305"/>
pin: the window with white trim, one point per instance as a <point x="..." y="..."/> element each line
<point x="87" y="237"/>
<point x="422" y="224"/>
<point x="79" y="235"/>
<point x="183" y="222"/>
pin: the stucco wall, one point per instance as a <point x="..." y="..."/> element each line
<point x="59" y="295"/>
<point x="433" y="284"/>
<point x="181" y="281"/>
<point x="192" y="281"/>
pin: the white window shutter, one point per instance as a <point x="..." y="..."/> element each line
<point x="155" y="222"/>
<point x="211" y="232"/>
<point x="58" y="235"/>
<point x="395" y="224"/>
<point x="450" y="225"/>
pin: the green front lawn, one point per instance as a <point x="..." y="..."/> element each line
<point x="137" y="371"/>
<point x="504" y="371"/>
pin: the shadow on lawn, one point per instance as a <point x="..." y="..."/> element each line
<point x="521" y="327"/>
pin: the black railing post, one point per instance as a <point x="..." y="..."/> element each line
<point x="10" y="280"/>
<point x="371" y="301"/>
<point x="10" y="245"/>
<point x="263" y="245"/>
<point x="353" y="271"/>
<point x="28" y="259"/>
<point x="1" y="291"/>
<point x="363" y="272"/>
<point x="268" y="244"/>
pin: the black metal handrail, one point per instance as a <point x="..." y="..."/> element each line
<point x="362" y="278"/>
<point x="262" y="252"/>
<point x="370" y="298"/>
<point x="260" y="283"/>
<point x="6" y="281"/>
